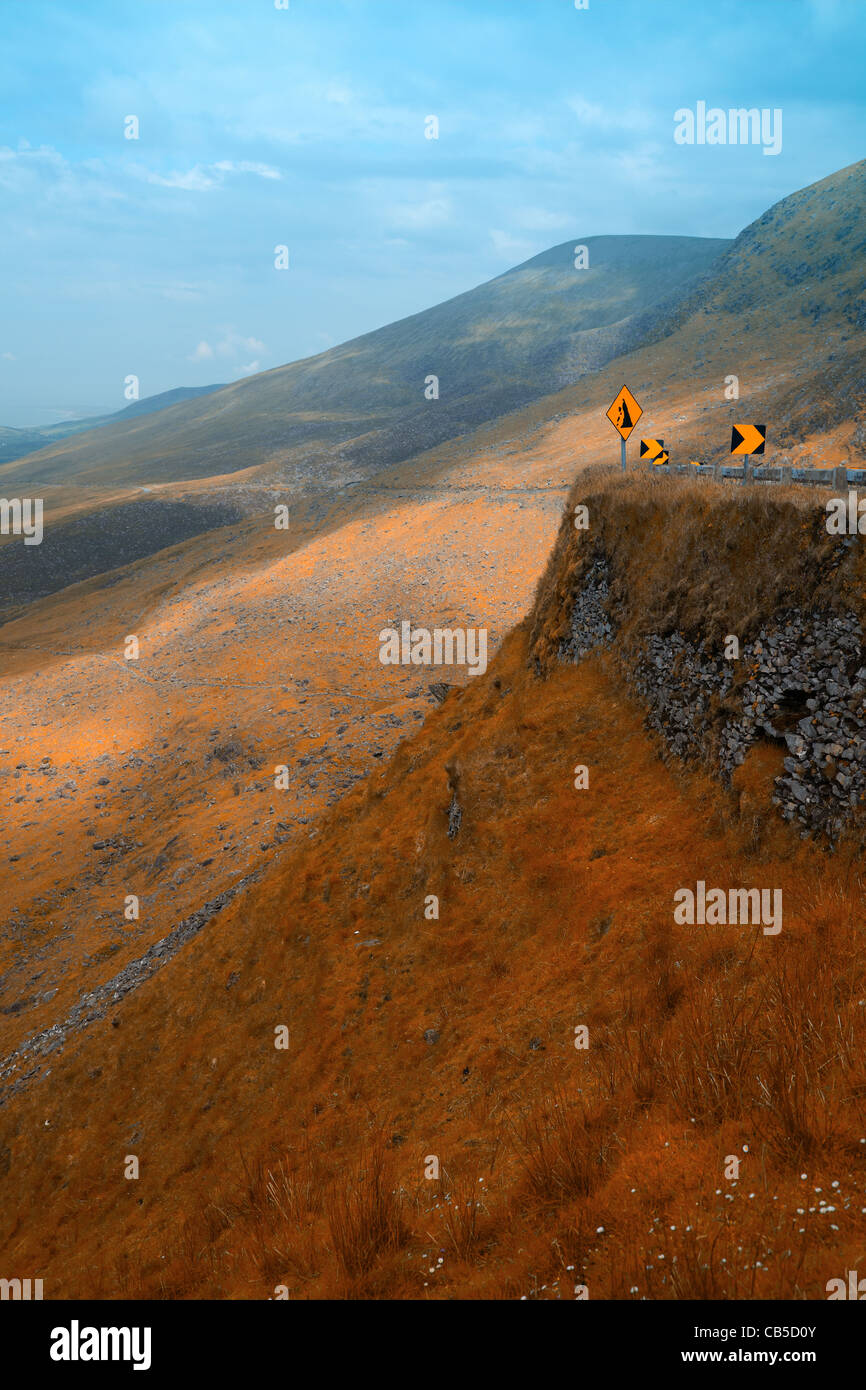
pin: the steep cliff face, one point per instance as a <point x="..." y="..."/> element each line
<point x="735" y="614"/>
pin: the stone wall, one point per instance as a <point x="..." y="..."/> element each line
<point x="590" y="625"/>
<point x="800" y="683"/>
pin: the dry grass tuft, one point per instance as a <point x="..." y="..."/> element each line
<point x="365" y="1215"/>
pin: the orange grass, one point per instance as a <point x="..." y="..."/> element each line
<point x="555" y="910"/>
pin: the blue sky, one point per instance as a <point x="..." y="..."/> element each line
<point x="305" y="127"/>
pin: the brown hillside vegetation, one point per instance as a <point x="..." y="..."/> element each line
<point x="703" y="560"/>
<point x="412" y="1036"/>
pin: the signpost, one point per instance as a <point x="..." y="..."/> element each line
<point x="624" y="413"/>
<point x="652" y="450"/>
<point x="748" y="440"/>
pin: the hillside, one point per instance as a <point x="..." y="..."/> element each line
<point x="307" y="906"/>
<point x="494" y="348"/>
<point x="415" y="1035"/>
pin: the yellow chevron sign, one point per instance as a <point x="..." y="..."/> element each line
<point x="748" y="439"/>
<point x="652" y="449"/>
<point x="664" y="457"/>
<point x="624" y="412"/>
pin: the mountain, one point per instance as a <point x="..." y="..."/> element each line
<point x="774" y="333"/>
<point x="791" y="289"/>
<point x="535" y="328"/>
<point x="16" y="443"/>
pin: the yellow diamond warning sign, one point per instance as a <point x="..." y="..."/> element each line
<point x="624" y="412"/>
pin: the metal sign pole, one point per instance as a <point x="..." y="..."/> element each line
<point x="622" y="455"/>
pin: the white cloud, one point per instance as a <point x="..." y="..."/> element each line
<point x="249" y="369"/>
<point x="316" y="113"/>
<point x="611" y="117"/>
<point x="642" y="164"/>
<point x="37" y="180"/>
<point x="25" y="170"/>
<point x="246" y="166"/>
<point x="537" y="220"/>
<point x="432" y="212"/>
<point x="231" y="344"/>
<point x="202" y="177"/>
<point x="338" y="94"/>
<point x="196" y="180"/>
<point x="182" y="292"/>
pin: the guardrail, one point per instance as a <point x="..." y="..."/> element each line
<point x="820" y="477"/>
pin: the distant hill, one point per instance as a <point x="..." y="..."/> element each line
<point x="16" y="443"/>
<point x="528" y="332"/>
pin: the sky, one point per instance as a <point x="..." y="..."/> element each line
<point x="304" y="127"/>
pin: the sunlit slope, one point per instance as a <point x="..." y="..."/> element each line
<point x="493" y="348"/>
<point x="449" y="1031"/>
<point x="257" y="648"/>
